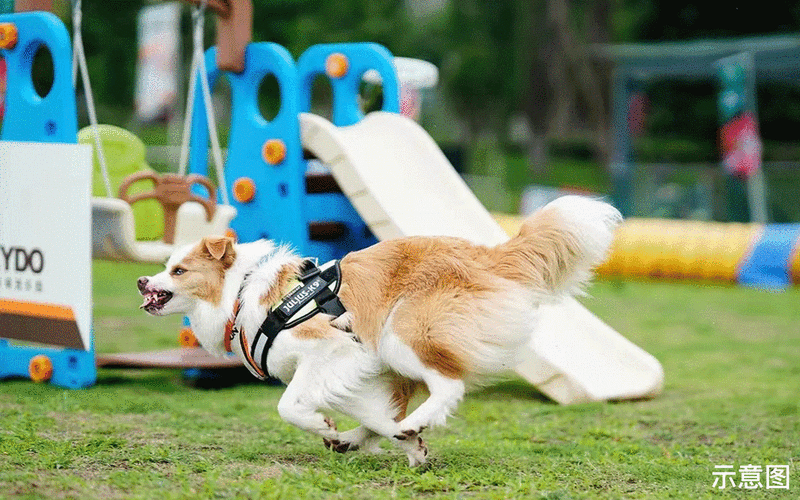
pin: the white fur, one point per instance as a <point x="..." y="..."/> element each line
<point x="208" y="321"/>
<point x="592" y="223"/>
<point x="445" y="393"/>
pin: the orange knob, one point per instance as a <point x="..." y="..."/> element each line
<point x="40" y="368"/>
<point x="186" y="338"/>
<point x="274" y="151"/>
<point x="336" y="65"/>
<point x="8" y="35"/>
<point x="244" y="189"/>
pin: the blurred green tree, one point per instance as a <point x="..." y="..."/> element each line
<point x="109" y="32"/>
<point x="109" y="38"/>
<point x="529" y="58"/>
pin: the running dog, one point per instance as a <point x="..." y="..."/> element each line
<point x="364" y="334"/>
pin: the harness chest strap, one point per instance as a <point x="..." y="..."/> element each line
<point x="316" y="292"/>
<point x="240" y="348"/>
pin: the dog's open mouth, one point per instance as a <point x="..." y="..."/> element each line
<point x="155" y="300"/>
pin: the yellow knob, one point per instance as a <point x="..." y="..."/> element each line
<point x="336" y="65"/>
<point x="244" y="189"/>
<point x="40" y="368"/>
<point x="274" y="151"/>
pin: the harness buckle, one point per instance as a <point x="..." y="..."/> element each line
<point x="308" y="270"/>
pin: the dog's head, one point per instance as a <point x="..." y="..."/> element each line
<point x="193" y="274"/>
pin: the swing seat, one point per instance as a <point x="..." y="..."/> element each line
<point x="125" y="155"/>
<point x="113" y="234"/>
<point x="121" y="231"/>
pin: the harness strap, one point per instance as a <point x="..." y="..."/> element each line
<point x="229" y="335"/>
<point x="319" y="285"/>
<point x="231" y="332"/>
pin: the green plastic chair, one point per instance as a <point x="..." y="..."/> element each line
<point x="125" y="155"/>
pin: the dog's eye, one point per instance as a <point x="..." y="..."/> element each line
<point x="178" y="271"/>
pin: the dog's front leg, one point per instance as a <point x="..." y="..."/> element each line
<point x="299" y="409"/>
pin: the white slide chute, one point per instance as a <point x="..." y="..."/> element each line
<point x="401" y="184"/>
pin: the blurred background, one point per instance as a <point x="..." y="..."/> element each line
<point x="536" y="97"/>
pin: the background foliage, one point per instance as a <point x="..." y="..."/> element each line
<point x="516" y="76"/>
<point x="487" y="52"/>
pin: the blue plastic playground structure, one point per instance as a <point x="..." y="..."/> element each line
<point x="285" y="207"/>
<point x="265" y="157"/>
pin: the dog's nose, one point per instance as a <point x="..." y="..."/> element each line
<point x="142" y="283"/>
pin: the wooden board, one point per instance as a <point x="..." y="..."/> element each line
<point x="179" y="358"/>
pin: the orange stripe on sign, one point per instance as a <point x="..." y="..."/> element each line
<point x="36" y="309"/>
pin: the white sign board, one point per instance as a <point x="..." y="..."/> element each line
<point x="45" y="243"/>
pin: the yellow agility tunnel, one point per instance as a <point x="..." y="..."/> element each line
<point x="752" y="254"/>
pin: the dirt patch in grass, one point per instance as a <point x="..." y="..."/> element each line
<point x="133" y="429"/>
<point x="253" y="472"/>
<point x="62" y="485"/>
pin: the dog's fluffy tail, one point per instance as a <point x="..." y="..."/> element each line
<point x="559" y="245"/>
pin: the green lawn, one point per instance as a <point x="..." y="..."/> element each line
<point x="731" y="358"/>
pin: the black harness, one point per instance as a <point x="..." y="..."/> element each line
<point x="319" y="285"/>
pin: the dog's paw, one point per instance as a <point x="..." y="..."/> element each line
<point x="409" y="434"/>
<point x="417" y="454"/>
<point x="340" y="446"/>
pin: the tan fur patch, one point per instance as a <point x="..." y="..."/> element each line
<point x="403" y="390"/>
<point x="429" y="325"/>
<point x="432" y="276"/>
<point x="374" y="279"/>
<point x="204" y="275"/>
<point x="316" y="327"/>
<point x="285" y="276"/>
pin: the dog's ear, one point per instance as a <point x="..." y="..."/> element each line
<point x="220" y="248"/>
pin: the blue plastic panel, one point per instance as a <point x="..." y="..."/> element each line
<point x="72" y="368"/>
<point x="28" y="116"/>
<point x="276" y="212"/>
<point x="361" y="58"/>
<point x="768" y="265"/>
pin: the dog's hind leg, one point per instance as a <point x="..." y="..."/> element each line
<point x="446" y="389"/>
<point x="366" y="439"/>
<point x="379" y="408"/>
<point x="445" y="394"/>
<point x="377" y="424"/>
<point x="380" y="403"/>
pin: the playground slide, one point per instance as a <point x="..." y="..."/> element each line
<point x="401" y="184"/>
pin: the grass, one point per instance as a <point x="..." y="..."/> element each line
<point x="732" y="363"/>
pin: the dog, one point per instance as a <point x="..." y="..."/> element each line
<point x="393" y="319"/>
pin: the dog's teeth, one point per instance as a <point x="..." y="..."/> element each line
<point x="149" y="298"/>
